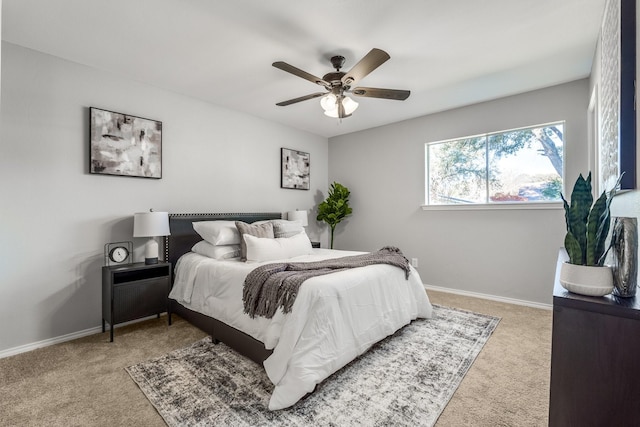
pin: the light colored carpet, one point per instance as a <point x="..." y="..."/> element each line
<point x="84" y="382"/>
<point x="508" y="385"/>
<point x="405" y="380"/>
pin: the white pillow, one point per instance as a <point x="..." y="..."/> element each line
<point x="205" y="248"/>
<point x="264" y="249"/>
<point x="218" y="232"/>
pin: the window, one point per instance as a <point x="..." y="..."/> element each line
<point x="515" y="166"/>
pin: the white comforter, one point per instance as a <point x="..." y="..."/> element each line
<point x="334" y="319"/>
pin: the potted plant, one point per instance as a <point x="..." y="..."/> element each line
<point x="585" y="242"/>
<point x="335" y="207"/>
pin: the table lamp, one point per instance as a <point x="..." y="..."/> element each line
<point x="151" y="224"/>
<point x="300" y="216"/>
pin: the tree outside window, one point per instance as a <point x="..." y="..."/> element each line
<point x="521" y="166"/>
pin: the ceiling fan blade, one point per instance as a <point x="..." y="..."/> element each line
<point x="302" y="98"/>
<point x="371" y="61"/>
<point x="300" y="73"/>
<point x="373" y="92"/>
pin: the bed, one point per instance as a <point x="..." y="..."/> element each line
<point x="335" y="317"/>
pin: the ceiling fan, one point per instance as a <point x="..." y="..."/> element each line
<point x="338" y="84"/>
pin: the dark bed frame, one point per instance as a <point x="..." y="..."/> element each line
<point x="182" y="238"/>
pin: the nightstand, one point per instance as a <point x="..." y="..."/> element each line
<point x="134" y="291"/>
<point x="315" y="244"/>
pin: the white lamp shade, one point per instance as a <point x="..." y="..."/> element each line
<point x="332" y="113"/>
<point x="300" y="216"/>
<point x="349" y="105"/>
<point x="330" y="105"/>
<point x="151" y="224"/>
<point x="328" y="102"/>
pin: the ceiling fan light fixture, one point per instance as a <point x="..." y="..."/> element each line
<point x="330" y="105"/>
<point x="331" y="113"/>
<point x="328" y="102"/>
<point x="349" y="105"/>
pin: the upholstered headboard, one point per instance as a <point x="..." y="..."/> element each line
<point x="183" y="236"/>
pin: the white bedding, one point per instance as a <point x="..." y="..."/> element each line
<point x="334" y="319"/>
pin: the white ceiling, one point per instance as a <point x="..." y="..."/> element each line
<point x="449" y="53"/>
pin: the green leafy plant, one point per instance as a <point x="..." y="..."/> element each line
<point x="335" y="207"/>
<point x="587" y="223"/>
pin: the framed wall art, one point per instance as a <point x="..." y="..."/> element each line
<point x="296" y="169"/>
<point x="124" y="145"/>
<point x="616" y="149"/>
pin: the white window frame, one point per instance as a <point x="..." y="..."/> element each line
<point x="527" y="205"/>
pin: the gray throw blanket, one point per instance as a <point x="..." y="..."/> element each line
<point x="271" y="286"/>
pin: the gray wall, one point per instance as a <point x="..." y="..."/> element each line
<point x="504" y="253"/>
<point x="55" y="217"/>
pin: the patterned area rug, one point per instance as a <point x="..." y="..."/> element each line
<point x="405" y="380"/>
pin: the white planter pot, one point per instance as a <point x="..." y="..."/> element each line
<point x="586" y="279"/>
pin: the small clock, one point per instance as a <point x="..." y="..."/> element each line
<point x="118" y="253"/>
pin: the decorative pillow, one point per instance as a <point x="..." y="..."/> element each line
<point x="257" y="230"/>
<point x="284" y="228"/>
<point x="218" y="232"/>
<point x="261" y="249"/>
<point x="205" y="248"/>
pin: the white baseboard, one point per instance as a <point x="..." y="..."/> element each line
<point x="63" y="338"/>
<point x="51" y="341"/>
<point x="490" y="297"/>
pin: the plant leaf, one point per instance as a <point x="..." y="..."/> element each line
<point x="578" y="213"/>
<point x="336" y="206"/>
<point x="573" y="249"/>
<point x="597" y="230"/>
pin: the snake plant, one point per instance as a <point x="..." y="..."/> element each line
<point x="587" y="223"/>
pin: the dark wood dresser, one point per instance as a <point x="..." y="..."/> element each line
<point x="595" y="360"/>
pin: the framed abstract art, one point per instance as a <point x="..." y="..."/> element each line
<point x="124" y="145"/>
<point x="295" y="170"/>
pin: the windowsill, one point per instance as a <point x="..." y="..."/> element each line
<point x="494" y="206"/>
